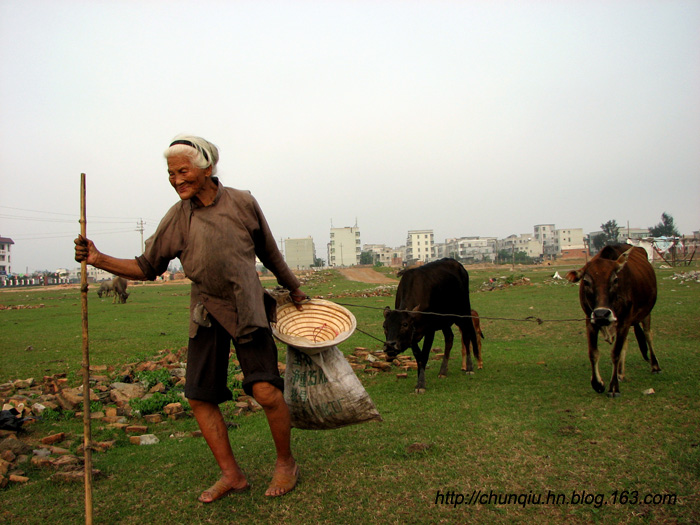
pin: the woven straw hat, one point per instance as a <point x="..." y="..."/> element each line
<point x="319" y="325"/>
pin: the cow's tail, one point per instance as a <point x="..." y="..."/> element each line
<point x="471" y="335"/>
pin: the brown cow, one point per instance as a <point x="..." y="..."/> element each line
<point x="618" y="291"/>
<point x="467" y="347"/>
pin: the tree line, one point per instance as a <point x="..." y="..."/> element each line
<point x="611" y="231"/>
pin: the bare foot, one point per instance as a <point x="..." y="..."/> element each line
<point x="220" y="489"/>
<point x="283" y="481"/>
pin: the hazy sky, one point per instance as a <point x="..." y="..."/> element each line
<point x="469" y="118"/>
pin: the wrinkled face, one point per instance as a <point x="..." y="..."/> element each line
<point x="398" y="332"/>
<point x="599" y="288"/>
<point x="189" y="181"/>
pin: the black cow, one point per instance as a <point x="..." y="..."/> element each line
<point x="120" y="294"/>
<point x="617" y="292"/>
<point x="440" y="287"/>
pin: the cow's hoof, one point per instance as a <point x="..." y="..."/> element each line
<point x="656" y="371"/>
<point x="614" y="394"/>
<point x="420" y="391"/>
<point x="469" y="372"/>
<point x="598" y="387"/>
<point x="442" y="376"/>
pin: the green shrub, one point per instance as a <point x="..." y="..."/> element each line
<point x="51" y="415"/>
<point x="153" y="377"/>
<point x="156" y="402"/>
<point x="233" y="383"/>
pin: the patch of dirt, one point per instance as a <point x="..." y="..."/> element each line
<point x="366" y="275"/>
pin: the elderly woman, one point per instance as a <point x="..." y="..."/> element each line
<point x="216" y="232"/>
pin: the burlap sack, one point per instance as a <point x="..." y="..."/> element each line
<point x="323" y="392"/>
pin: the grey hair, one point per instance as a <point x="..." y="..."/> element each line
<point x="202" y="152"/>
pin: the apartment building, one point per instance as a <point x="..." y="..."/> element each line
<point x="525" y="242"/>
<point x="420" y="246"/>
<point x="385" y="255"/>
<point x="546" y="235"/>
<point x="5" y="255"/>
<point x="299" y="254"/>
<point x="468" y="249"/>
<point x="570" y="243"/>
<point x="344" y="248"/>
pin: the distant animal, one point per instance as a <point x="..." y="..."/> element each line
<point x="106" y="289"/>
<point x="440" y="287"/>
<point x="617" y="291"/>
<point x="119" y="284"/>
<point x="467" y="346"/>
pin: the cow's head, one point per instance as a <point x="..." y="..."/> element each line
<point x="399" y="330"/>
<point x="600" y="288"/>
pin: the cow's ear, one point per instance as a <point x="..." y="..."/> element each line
<point x="386" y="311"/>
<point x="574" y="276"/>
<point x="415" y="312"/>
<point x="622" y="260"/>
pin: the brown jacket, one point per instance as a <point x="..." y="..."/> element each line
<point x="217" y="245"/>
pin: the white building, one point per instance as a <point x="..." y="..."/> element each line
<point x="570" y="241"/>
<point x="5" y="255"/>
<point x="420" y="246"/>
<point x="385" y="255"/>
<point x="468" y="249"/>
<point x="525" y="242"/>
<point x="345" y="247"/>
<point x="94" y="274"/>
<point x="299" y="254"/>
<point x="546" y="235"/>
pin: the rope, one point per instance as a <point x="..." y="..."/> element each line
<point x="370" y="335"/>
<point x="530" y="318"/>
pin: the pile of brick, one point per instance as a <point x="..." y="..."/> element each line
<point x="684" y="277"/>
<point x="373" y="362"/>
<point x="500" y="283"/>
<point x="113" y="388"/>
<point x="21" y="306"/>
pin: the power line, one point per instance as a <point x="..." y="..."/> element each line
<point x="63" y="235"/>
<point x="90" y="217"/>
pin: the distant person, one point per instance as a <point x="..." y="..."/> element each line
<point x="216" y="232"/>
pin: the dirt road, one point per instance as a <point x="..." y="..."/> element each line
<point x="366" y="275"/>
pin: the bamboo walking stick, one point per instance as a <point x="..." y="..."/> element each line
<point x="87" y="431"/>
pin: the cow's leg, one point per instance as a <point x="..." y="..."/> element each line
<point x="618" y="360"/>
<point x="422" y="359"/>
<point x="466" y="354"/>
<point x="449" y="340"/>
<point x="592" y="335"/>
<point x="644" y="338"/>
<point x="623" y="358"/>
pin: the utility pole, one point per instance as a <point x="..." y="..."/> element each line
<point x="139" y="228"/>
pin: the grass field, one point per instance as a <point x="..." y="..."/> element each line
<point x="527" y="434"/>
